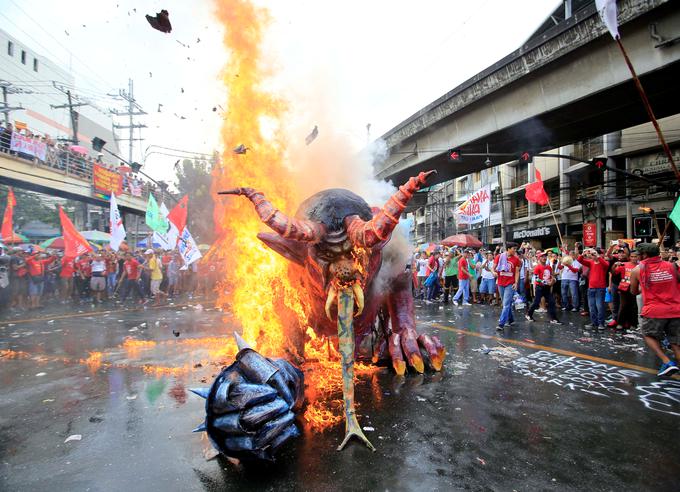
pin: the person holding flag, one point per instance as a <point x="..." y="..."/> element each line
<point x="545" y="278"/>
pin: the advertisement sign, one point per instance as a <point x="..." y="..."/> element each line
<point x="476" y="208"/>
<point x="106" y="181"/>
<point x="589" y="234"/>
<point x="27" y="145"/>
<point x="534" y="233"/>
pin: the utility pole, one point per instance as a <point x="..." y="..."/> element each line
<point x="500" y="195"/>
<point x="134" y="109"/>
<point x="70" y="105"/>
<point x="8" y="89"/>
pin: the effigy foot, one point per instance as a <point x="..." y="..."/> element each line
<point x="352" y="429"/>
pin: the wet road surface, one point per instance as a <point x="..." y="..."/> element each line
<point x="536" y="407"/>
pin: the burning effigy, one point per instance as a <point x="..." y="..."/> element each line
<point x="335" y="246"/>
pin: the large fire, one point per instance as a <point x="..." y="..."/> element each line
<point x="256" y="286"/>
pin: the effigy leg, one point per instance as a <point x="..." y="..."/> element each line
<point x="346" y="343"/>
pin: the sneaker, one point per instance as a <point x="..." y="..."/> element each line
<point x="467" y="304"/>
<point x="601" y="328"/>
<point x="565" y="309"/>
<point x="510" y="323"/>
<point x="455" y="303"/>
<point x="541" y="310"/>
<point x="528" y="318"/>
<point x="575" y="310"/>
<point x="428" y="302"/>
<point x="556" y="322"/>
<point x="589" y="326"/>
<point x="668" y="368"/>
<point x="499" y="328"/>
<point x="612" y="323"/>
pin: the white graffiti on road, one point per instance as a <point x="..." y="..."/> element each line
<point x="599" y="379"/>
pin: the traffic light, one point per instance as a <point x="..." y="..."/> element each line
<point x="455" y="155"/>
<point x="642" y="227"/>
<point x="525" y="157"/>
<point x="600" y="163"/>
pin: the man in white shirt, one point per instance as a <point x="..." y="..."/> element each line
<point x="570" y="275"/>
<point x="98" y="279"/>
<point x="488" y="286"/>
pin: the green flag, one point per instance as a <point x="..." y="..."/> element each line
<point x="675" y="214"/>
<point x="154" y="219"/>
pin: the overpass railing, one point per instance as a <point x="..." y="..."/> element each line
<point x="76" y="166"/>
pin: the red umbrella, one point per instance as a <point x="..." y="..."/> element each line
<point x="463" y="240"/>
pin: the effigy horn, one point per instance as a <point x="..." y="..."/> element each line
<point x="200" y="428"/>
<point x="240" y="342"/>
<point x="202" y="392"/>
<point x="380" y="227"/>
<point x="287" y="227"/>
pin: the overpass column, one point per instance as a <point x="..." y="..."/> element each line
<point x="531" y="207"/>
<point x="564" y="181"/>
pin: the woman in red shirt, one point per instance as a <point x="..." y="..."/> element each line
<point x="68" y="267"/>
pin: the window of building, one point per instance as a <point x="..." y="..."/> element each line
<point x="35" y="64"/>
<point x="521" y="174"/>
<point x="23" y="57"/>
<point x="10" y="48"/>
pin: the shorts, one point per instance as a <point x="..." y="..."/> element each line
<point x="172" y="280"/>
<point x="35" y="287"/>
<point x="488" y="286"/>
<point x="98" y="284"/>
<point x="473" y="285"/>
<point x="19" y="285"/>
<point x="660" y="328"/>
<point x="155" y="286"/>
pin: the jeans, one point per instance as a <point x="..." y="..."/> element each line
<point x="522" y="289"/>
<point x="570" y="287"/>
<point x="596" y="305"/>
<point x="463" y="290"/>
<point x="111" y="282"/>
<point x="131" y="285"/>
<point x="507" y="292"/>
<point x="546" y="292"/>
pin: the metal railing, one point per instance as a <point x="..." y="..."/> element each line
<point x="76" y="166"/>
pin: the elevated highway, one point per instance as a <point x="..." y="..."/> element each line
<point x="565" y="85"/>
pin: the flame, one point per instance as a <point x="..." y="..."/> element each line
<point x="256" y="286"/>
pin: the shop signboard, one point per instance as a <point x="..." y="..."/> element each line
<point x="534" y="233"/>
<point x="590" y="234"/>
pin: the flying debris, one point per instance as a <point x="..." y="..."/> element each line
<point x="176" y="165"/>
<point x="198" y="40"/>
<point x="159" y="107"/>
<point x="150" y="75"/>
<point x="241" y="149"/>
<point x="176" y="333"/>
<point x="312" y="136"/>
<point x="181" y="43"/>
<point x="66" y="32"/>
<point x="182" y="89"/>
<point x="161" y="22"/>
<point x="214" y="108"/>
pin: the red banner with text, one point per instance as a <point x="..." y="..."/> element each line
<point x="107" y="181"/>
<point x="589" y="234"/>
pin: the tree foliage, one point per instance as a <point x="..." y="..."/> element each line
<point x="194" y="179"/>
<point x="30" y="207"/>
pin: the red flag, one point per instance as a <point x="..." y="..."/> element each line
<point x="74" y="243"/>
<point x="178" y="215"/>
<point x="7" y="230"/>
<point x="535" y="193"/>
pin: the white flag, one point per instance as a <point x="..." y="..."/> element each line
<point x="476" y="208"/>
<point x="188" y="248"/>
<point x="607" y="11"/>
<point x="115" y="225"/>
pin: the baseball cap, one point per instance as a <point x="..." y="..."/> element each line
<point x="148" y="251"/>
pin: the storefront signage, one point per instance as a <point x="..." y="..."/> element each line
<point x="589" y="234"/>
<point x="653" y="163"/>
<point x="534" y="233"/>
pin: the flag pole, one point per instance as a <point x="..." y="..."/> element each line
<point x="559" y="233"/>
<point x="648" y="107"/>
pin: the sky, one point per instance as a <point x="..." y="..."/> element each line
<point x="348" y="64"/>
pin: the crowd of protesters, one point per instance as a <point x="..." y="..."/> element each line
<point x="30" y="280"/>
<point x="619" y="289"/>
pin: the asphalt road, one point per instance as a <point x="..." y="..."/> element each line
<point x="537" y="407"/>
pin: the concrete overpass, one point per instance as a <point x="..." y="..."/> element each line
<point x="71" y="180"/>
<point x="564" y="85"/>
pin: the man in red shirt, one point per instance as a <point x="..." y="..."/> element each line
<point x="506" y="266"/>
<point x="36" y="264"/>
<point x="545" y="278"/>
<point x="83" y="274"/>
<point x="597" y="284"/>
<point x="68" y="267"/>
<point x="659" y="283"/>
<point x="463" y="279"/>
<point x="132" y="271"/>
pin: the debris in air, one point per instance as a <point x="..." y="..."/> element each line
<point x="312" y="136"/>
<point x="241" y="149"/>
<point x="161" y="22"/>
<point x="73" y="437"/>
